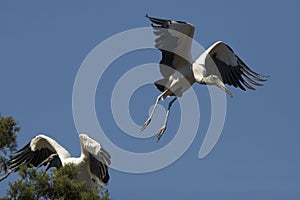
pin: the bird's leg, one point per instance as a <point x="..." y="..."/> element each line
<point x="163" y="128"/>
<point x="7" y="173"/>
<point x="47" y="160"/>
<point x="147" y="122"/>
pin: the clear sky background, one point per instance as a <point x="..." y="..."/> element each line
<point x="42" y="45"/>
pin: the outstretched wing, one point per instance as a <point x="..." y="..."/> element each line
<point x="41" y="150"/>
<point x="174" y="41"/>
<point x="221" y="60"/>
<point x="99" y="159"/>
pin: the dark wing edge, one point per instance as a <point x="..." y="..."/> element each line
<point x="38" y="158"/>
<point x="236" y="74"/>
<point x="99" y="169"/>
<point x="33" y="158"/>
<point x="168" y="44"/>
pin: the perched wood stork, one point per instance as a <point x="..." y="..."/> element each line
<point x="42" y="150"/>
<point x="218" y="65"/>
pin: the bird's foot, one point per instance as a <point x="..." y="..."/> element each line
<point x="161" y="132"/>
<point x="145" y="124"/>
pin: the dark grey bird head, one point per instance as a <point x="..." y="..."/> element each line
<point x="215" y="80"/>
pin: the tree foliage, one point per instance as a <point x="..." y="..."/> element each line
<point x="36" y="184"/>
<point x="8" y="139"/>
<point x="60" y="184"/>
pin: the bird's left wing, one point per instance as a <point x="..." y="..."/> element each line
<point x="41" y="150"/>
<point x="174" y="41"/>
<point x="221" y="60"/>
<point x="99" y="159"/>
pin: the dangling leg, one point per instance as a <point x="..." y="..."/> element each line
<point x="152" y="112"/>
<point x="163" y="128"/>
<point x="50" y="158"/>
<point x="7" y="173"/>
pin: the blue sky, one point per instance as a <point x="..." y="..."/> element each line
<point x="42" y="45"/>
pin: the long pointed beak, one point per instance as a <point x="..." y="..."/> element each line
<point x="221" y="85"/>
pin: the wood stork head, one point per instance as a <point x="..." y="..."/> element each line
<point x="215" y="80"/>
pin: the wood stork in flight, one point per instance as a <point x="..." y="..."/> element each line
<point x="218" y="65"/>
<point x="42" y="150"/>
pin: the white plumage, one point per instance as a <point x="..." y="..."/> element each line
<point x="42" y="150"/>
<point x="218" y="65"/>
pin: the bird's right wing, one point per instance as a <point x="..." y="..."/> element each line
<point x="99" y="158"/>
<point x="174" y="41"/>
<point x="220" y="60"/>
<point x="41" y="150"/>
